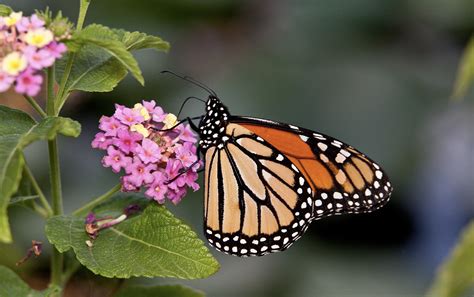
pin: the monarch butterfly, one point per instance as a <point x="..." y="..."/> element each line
<point x="266" y="181"/>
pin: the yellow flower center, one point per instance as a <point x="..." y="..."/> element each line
<point x="170" y="121"/>
<point x="14" y="63"/>
<point x="142" y="110"/>
<point x="39" y="37"/>
<point x="13" y="18"/>
<point x="140" y="129"/>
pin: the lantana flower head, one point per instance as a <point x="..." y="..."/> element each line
<point x="26" y="48"/>
<point x="151" y="150"/>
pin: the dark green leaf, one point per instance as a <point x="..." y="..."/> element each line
<point x="138" y="40"/>
<point x="25" y="195"/>
<point x="465" y="76"/>
<point x="14" y="121"/>
<point x="98" y="68"/>
<point x="5" y="10"/>
<point x="13" y="125"/>
<point x="17" y="130"/>
<point x="11" y="166"/>
<point x="159" y="291"/>
<point x="456" y="275"/>
<point x="94" y="70"/>
<point x="151" y="244"/>
<point x="107" y="40"/>
<point x="12" y="285"/>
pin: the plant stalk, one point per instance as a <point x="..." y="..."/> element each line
<point x="50" y="108"/>
<point x="62" y="85"/>
<point x="82" y="14"/>
<point x="96" y="201"/>
<point x="36" y="106"/>
<point x="55" y="179"/>
<point x="38" y="191"/>
<point x="62" y="95"/>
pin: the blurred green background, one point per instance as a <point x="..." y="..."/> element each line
<point x="375" y="74"/>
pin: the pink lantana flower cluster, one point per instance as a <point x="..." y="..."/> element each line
<point x="26" y="48"/>
<point x="163" y="162"/>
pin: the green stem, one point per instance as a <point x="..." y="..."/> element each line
<point x="38" y="190"/>
<point x="96" y="201"/>
<point x="82" y="14"/>
<point x="41" y="211"/>
<point x="55" y="179"/>
<point x="54" y="106"/>
<point x="70" y="270"/>
<point x="62" y="85"/>
<point x="62" y="93"/>
<point x="36" y="106"/>
<point x="57" y="258"/>
<point x="50" y="108"/>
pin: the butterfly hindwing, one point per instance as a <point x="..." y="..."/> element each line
<point x="256" y="200"/>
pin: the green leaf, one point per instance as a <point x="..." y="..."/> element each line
<point x="17" y="130"/>
<point x="456" y="276"/>
<point x="151" y="244"/>
<point x="138" y="40"/>
<point x="5" y="10"/>
<point x="25" y="195"/>
<point x="11" y="166"/>
<point x="107" y="40"/>
<point x="12" y="285"/>
<point x="94" y="70"/>
<point x="49" y="128"/>
<point x="14" y="121"/>
<point x="13" y="125"/>
<point x="465" y="76"/>
<point x="159" y="291"/>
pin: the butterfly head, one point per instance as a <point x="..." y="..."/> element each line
<point x="212" y="125"/>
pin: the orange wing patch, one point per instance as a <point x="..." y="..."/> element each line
<point x="315" y="172"/>
<point x="288" y="143"/>
<point x="322" y="172"/>
<point x="299" y="152"/>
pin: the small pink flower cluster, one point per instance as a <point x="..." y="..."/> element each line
<point x="164" y="162"/>
<point x="26" y="48"/>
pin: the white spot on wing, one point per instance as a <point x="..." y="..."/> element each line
<point x="304" y="138"/>
<point x="340" y="158"/>
<point x="345" y="153"/>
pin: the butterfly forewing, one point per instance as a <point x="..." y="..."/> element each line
<point x="342" y="179"/>
<point x="256" y="200"/>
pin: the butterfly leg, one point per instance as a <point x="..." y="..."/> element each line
<point x="188" y="119"/>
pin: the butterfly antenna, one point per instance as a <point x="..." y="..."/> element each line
<point x="193" y="81"/>
<point x="186" y="100"/>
